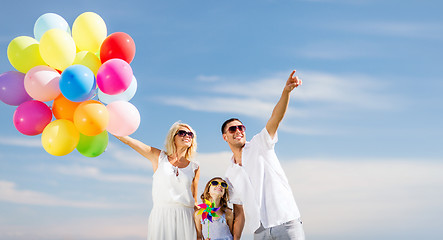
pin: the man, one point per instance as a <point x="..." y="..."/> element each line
<point x="262" y="198"/>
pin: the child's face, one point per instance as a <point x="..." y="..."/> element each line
<point x="218" y="190"/>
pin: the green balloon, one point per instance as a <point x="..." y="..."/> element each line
<point x="93" y="146"/>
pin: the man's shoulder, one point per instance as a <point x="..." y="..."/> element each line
<point x="262" y="139"/>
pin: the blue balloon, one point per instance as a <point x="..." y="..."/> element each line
<point x="124" y="96"/>
<point x="49" y="21"/>
<point x="77" y="83"/>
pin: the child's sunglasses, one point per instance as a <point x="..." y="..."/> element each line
<point x="182" y="133"/>
<point x="216" y="183"/>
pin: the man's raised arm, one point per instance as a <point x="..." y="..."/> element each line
<point x="282" y="105"/>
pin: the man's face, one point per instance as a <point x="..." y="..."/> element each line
<point x="234" y="134"/>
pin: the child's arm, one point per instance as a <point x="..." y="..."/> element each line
<point x="198" y="225"/>
<point x="230" y="220"/>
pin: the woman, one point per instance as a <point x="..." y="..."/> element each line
<point x="216" y="191"/>
<point x="174" y="185"/>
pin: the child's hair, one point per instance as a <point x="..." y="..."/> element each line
<point x="224" y="199"/>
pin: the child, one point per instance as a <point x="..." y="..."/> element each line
<point x="216" y="191"/>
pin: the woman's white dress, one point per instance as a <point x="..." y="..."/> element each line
<point x="172" y="214"/>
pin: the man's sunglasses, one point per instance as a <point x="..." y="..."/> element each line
<point x="233" y="129"/>
<point x="182" y="133"/>
<point x="216" y="183"/>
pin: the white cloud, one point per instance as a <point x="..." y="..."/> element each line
<point x="346" y="90"/>
<point x="349" y="195"/>
<point x="391" y="28"/>
<point x="123" y="227"/>
<point x="204" y="78"/>
<point x="212" y="165"/>
<point x="245" y="106"/>
<point x="356" y="48"/>
<point x="129" y="157"/>
<point x="322" y="94"/>
<point x="95" y="173"/>
<point x="10" y="193"/>
<point x="269" y="88"/>
<point x="118" y="156"/>
<point x="353" y="2"/>
<point x="354" y="196"/>
<point x="337" y="197"/>
<point x="20" y="141"/>
<point x="330" y="50"/>
<point x="285" y="127"/>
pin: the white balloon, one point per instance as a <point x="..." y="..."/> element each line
<point x="124" y="118"/>
<point x="127" y="95"/>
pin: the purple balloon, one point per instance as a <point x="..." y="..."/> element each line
<point x="12" y="88"/>
<point x="31" y="117"/>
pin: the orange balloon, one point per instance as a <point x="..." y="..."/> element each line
<point x="63" y="108"/>
<point x="91" y="117"/>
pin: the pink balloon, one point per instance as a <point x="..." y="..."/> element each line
<point x="12" y="88"/>
<point x="114" y="76"/>
<point x="31" y="117"/>
<point x="124" y="118"/>
<point x="42" y="83"/>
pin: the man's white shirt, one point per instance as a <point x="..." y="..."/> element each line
<point x="261" y="186"/>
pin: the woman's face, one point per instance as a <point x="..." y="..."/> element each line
<point x="183" y="137"/>
<point x="216" y="190"/>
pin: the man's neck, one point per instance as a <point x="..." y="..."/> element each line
<point x="237" y="152"/>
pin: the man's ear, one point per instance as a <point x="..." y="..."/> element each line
<point x="225" y="137"/>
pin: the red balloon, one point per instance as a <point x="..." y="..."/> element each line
<point x="117" y="45"/>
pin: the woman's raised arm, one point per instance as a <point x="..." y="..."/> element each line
<point x="151" y="153"/>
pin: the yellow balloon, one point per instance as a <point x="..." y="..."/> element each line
<point x="89" y="60"/>
<point x="57" y="49"/>
<point x="60" y="137"/>
<point x="89" y="31"/>
<point x="24" y="54"/>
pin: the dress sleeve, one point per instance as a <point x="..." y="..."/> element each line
<point x="161" y="156"/>
<point x="194" y="165"/>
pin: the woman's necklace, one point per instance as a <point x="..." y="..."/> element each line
<point x="175" y="163"/>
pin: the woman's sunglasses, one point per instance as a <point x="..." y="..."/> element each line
<point x="182" y="133"/>
<point x="216" y="183"/>
<point x="233" y="129"/>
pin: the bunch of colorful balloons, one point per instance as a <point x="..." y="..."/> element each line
<point x="68" y="71"/>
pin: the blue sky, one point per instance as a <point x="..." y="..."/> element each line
<point x="361" y="142"/>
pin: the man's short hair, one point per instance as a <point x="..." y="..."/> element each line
<point x="227" y="122"/>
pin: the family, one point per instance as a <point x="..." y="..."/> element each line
<point x="254" y="184"/>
